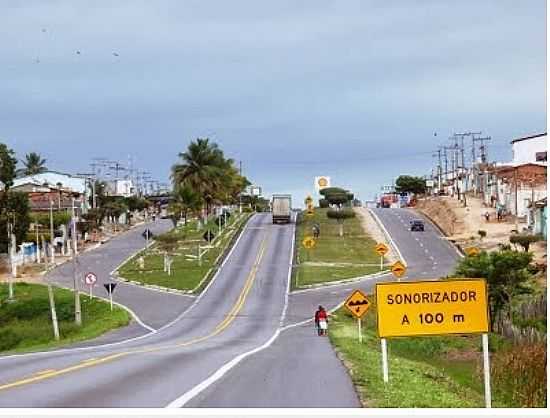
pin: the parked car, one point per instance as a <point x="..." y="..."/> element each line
<point x="417" y="225"/>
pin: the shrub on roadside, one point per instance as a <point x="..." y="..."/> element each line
<point x="524" y="240"/>
<point x="520" y="375"/>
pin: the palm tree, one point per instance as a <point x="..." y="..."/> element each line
<point x="33" y="164"/>
<point x="202" y="169"/>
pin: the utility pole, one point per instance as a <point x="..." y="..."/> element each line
<point x="51" y="234"/>
<point x="11" y="250"/>
<point x="77" y="312"/>
<point x="240" y="192"/>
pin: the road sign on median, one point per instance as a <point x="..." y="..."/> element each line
<point x="357" y="303"/>
<point x="308" y="242"/>
<point x="398" y="269"/>
<point x="208" y="236"/>
<point x="90" y="279"/>
<point x="432" y="308"/>
<point x="381" y="249"/>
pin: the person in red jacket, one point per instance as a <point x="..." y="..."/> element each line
<point x="321" y="321"/>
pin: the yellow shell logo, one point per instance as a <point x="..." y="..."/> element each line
<point x="322" y="182"/>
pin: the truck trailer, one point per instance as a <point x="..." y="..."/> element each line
<point x="281" y="208"/>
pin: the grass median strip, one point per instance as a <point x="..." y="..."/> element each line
<point x="186" y="273"/>
<point x="25" y="324"/>
<point x="333" y="258"/>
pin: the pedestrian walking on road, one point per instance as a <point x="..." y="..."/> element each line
<point x="321" y="321"/>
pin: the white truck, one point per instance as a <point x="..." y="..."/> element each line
<point x="281" y="208"/>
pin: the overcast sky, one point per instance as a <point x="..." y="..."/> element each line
<point x="350" y="89"/>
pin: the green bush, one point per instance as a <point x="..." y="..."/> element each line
<point x="323" y="203"/>
<point x="340" y="214"/>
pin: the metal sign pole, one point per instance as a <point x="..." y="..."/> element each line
<point x="359" y="330"/>
<point x="486" y="370"/>
<point x="384" y="359"/>
<point x="381" y="262"/>
<point x="91" y="296"/>
<point x="111" y="299"/>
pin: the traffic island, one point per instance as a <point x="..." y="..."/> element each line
<point x="332" y="258"/>
<point x="185" y="259"/>
<point x="26" y="322"/>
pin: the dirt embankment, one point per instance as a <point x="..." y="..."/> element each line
<point x="441" y="212"/>
<point x="462" y="224"/>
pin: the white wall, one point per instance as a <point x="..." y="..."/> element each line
<point x="524" y="151"/>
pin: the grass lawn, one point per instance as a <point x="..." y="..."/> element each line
<point x="186" y="274"/>
<point x="430" y="372"/>
<point x="25" y="324"/>
<point x="333" y="257"/>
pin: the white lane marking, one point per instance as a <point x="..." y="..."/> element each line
<point x="419" y="243"/>
<point x="431" y="257"/>
<point x="426" y="251"/>
<point x="93" y="347"/>
<point x="218" y="374"/>
<point x="434" y="267"/>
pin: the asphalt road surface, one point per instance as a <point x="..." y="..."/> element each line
<point x="229" y="347"/>
<point x="241" y="310"/>
<point x="301" y="369"/>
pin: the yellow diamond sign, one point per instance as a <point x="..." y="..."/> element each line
<point x="398" y="269"/>
<point x="472" y="251"/>
<point x="381" y="249"/>
<point x="357" y="303"/>
<point x="308" y="242"/>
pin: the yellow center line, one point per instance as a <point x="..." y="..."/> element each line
<point x="230" y="317"/>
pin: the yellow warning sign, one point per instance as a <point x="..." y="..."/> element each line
<point x="398" y="269"/>
<point x="432" y="308"/>
<point x="381" y="249"/>
<point x="472" y="251"/>
<point x="357" y="303"/>
<point x="308" y="242"/>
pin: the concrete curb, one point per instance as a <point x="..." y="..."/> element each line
<point x="322" y="286"/>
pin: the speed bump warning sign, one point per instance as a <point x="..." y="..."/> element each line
<point x="357" y="303"/>
<point x="432" y="308"/>
<point x="398" y="269"/>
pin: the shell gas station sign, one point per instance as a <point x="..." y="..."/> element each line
<point x="321" y="182"/>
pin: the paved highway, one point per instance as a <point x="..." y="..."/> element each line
<point x="301" y="369"/>
<point x="240" y="311"/>
<point x="153" y="308"/>
<point x="229" y="347"/>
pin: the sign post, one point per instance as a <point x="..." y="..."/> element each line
<point x="384" y="348"/>
<point x="358" y="304"/>
<point x="424" y="308"/>
<point x="90" y="279"/>
<point x="381" y="249"/>
<point x="110" y="287"/>
<point x="486" y="369"/>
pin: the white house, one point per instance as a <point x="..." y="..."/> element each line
<point x="529" y="149"/>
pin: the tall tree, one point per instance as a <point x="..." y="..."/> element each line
<point x="206" y="171"/>
<point x="410" y="184"/>
<point x="33" y="164"/>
